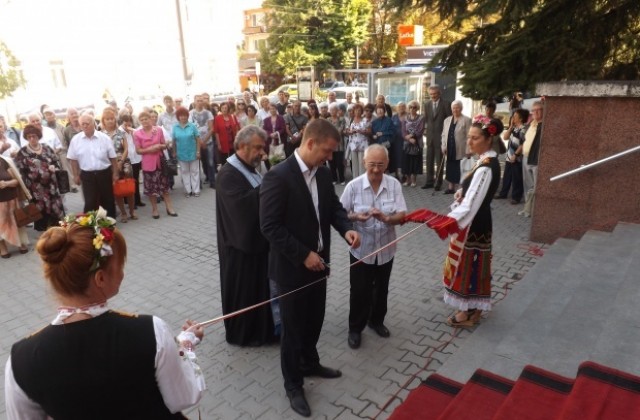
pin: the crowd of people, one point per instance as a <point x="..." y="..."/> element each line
<point x="273" y="218"/>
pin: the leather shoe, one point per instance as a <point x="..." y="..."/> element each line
<point x="381" y="330"/>
<point x="299" y="403"/>
<point x="427" y="186"/>
<point x="323" y="372"/>
<point x="354" y="340"/>
<point x="437" y="188"/>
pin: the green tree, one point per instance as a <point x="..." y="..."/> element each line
<point x="11" y="77"/>
<point x="323" y="33"/>
<point x="518" y="43"/>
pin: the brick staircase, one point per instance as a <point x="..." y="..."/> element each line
<point x="578" y="303"/>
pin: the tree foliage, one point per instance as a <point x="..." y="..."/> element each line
<point x="10" y="76"/>
<point x="323" y="33"/>
<point x="518" y="43"/>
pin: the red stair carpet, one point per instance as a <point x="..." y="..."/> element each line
<point x="537" y="394"/>
<point x="428" y="400"/>
<point x="603" y="393"/>
<point x="480" y="398"/>
<point x="598" y="393"/>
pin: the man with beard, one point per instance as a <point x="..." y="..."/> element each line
<point x="242" y="249"/>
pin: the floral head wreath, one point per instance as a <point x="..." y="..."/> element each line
<point x="103" y="227"/>
<point x="488" y="124"/>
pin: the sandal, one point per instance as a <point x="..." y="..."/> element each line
<point x="453" y="322"/>
<point x="133" y="217"/>
<point x="124" y="219"/>
<point x="23" y="249"/>
<point x="475" y="315"/>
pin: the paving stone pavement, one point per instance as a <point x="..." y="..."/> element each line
<point x="172" y="271"/>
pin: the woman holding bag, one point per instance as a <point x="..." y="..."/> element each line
<point x="150" y="144"/>
<point x="38" y="164"/>
<point x="119" y="138"/>
<point x="9" y="191"/>
<point x="276" y="128"/>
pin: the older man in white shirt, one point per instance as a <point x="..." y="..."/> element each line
<point x="49" y="136"/>
<point x="374" y="202"/>
<point x="93" y="162"/>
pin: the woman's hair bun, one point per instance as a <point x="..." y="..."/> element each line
<point x="53" y="245"/>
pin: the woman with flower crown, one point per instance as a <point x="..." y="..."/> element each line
<point x="467" y="270"/>
<point x="92" y="362"/>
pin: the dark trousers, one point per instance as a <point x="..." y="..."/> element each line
<point x="512" y="179"/>
<point x="302" y="315"/>
<point x="206" y="159"/>
<point x="97" y="189"/>
<point x="369" y="290"/>
<point x="434" y="157"/>
<point x="337" y="166"/>
<point x="135" y="168"/>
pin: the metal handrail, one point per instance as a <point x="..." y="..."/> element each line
<point x="594" y="164"/>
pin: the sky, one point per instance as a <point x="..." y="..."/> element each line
<point x="121" y="44"/>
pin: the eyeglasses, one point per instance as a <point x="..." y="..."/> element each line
<point x="376" y="165"/>
<point x="413" y="107"/>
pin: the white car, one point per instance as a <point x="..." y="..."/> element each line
<point x="341" y="94"/>
<point x="290" y="88"/>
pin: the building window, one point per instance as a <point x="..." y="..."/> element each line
<point x="254" y="20"/>
<point x="57" y="73"/>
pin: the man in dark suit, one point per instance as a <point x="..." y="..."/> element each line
<point x="435" y="111"/>
<point x="298" y="205"/>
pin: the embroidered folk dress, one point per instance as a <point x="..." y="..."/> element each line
<point x="467" y="269"/>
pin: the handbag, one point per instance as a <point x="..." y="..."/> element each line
<point x="169" y="166"/>
<point x="27" y="214"/>
<point x="124" y="187"/>
<point x="63" y="181"/>
<point x="411" y="149"/>
<point x="276" y="152"/>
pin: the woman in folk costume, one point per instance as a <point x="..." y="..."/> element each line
<point x="92" y="362"/>
<point x="467" y="270"/>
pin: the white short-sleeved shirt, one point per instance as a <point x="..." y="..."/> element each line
<point x="49" y="137"/>
<point x="359" y="197"/>
<point x="92" y="154"/>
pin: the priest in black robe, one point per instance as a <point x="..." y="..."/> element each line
<point x="242" y="249"/>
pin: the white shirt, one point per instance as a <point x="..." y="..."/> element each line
<point x="180" y="384"/>
<point x="310" y="179"/>
<point x="359" y="197"/>
<point x="92" y="154"/>
<point x="262" y="114"/>
<point x="49" y="137"/>
<point x="467" y="209"/>
<point x="13" y="147"/>
<point x="132" y="154"/>
<point x="167" y="121"/>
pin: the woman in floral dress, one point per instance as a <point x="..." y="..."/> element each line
<point x="38" y="164"/>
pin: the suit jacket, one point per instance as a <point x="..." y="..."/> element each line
<point x="434" y="121"/>
<point x="288" y="221"/>
<point x="460" y="132"/>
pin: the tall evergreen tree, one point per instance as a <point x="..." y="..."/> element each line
<point x="319" y="32"/>
<point x="532" y="41"/>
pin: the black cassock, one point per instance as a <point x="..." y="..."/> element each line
<point x="243" y="253"/>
